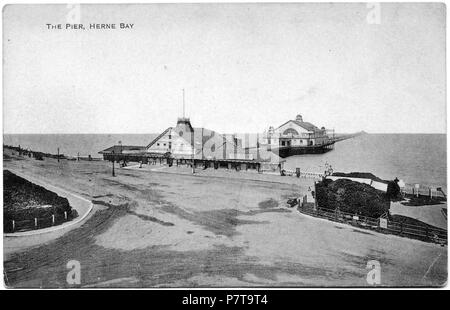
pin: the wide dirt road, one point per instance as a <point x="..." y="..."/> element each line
<point x="156" y="229"/>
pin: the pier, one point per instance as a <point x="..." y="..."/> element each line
<point x="297" y="137"/>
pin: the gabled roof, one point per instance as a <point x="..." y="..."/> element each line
<point x="117" y="149"/>
<point x="199" y="132"/>
<point x="158" y="137"/>
<point x="306" y="125"/>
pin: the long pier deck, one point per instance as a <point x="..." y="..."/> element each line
<point x="286" y="151"/>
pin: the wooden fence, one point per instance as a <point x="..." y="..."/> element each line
<point x="10" y="226"/>
<point x="383" y="225"/>
<point x="423" y="191"/>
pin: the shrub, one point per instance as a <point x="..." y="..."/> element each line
<point x="23" y="201"/>
<point x="352" y="197"/>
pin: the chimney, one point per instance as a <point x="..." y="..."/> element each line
<point x="299" y="118"/>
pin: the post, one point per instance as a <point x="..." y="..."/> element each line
<point x="202" y="144"/>
<point x="13" y="225"/>
<point x="315" y="197"/>
<point x="257" y="147"/>
<point x="193" y="152"/>
<point x="431" y="193"/>
<point x="113" y="159"/>
<point x="65" y="215"/>
<point x="35" y="222"/>
<point x="78" y="156"/>
<point x="58" y="154"/>
<point x="53" y="219"/>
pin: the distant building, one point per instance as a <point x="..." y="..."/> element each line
<point x="298" y="137"/>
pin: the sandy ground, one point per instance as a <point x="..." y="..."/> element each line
<point x="157" y="229"/>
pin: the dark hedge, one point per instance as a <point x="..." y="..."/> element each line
<point x="352" y="197"/>
<point x="23" y="201"/>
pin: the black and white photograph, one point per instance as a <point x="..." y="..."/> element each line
<point x="224" y="145"/>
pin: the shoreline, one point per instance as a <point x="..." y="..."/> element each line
<point x="304" y="168"/>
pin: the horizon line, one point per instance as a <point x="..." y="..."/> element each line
<point x="147" y="133"/>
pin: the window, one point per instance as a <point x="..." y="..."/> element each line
<point x="290" y="131"/>
<point x="157" y="144"/>
<point x="164" y="144"/>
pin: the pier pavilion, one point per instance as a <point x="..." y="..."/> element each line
<point x="296" y="137"/>
<point x="200" y="147"/>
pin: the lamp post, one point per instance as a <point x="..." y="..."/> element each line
<point x="121" y="150"/>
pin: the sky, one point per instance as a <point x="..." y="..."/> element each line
<point x="244" y="67"/>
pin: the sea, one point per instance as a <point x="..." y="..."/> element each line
<point x="413" y="158"/>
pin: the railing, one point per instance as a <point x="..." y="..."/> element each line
<point x="304" y="174"/>
<point x="423" y="191"/>
<point x="10" y="226"/>
<point x="299" y="136"/>
<point x="310" y="135"/>
<point x="424" y="233"/>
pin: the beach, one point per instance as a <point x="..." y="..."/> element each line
<point x="151" y="228"/>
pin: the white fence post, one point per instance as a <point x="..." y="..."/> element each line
<point x="53" y="219"/>
<point x="13" y="225"/>
<point x="35" y="222"/>
<point x="65" y="215"/>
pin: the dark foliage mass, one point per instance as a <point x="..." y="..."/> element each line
<point x="352" y="197"/>
<point x="393" y="190"/>
<point x="24" y="201"/>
